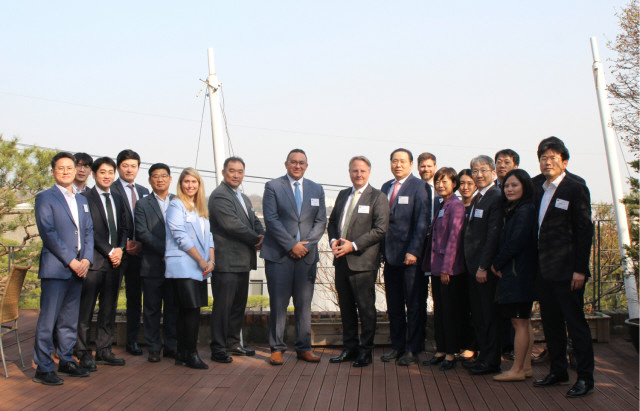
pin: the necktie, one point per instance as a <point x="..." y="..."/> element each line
<point x="133" y="197"/>
<point x="396" y="187"/>
<point x="475" y="202"/>
<point x="244" y="206"/>
<point x="113" y="232"/>
<point x="347" y="217"/>
<point x="298" y="196"/>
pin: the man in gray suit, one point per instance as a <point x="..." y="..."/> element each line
<point x="295" y="217"/>
<point x="357" y="224"/>
<point x="237" y="234"/>
<point x="150" y="232"/>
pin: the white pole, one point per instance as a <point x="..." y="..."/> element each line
<point x="216" y="117"/>
<point x="616" y="181"/>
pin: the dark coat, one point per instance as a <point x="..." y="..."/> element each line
<point x="150" y="231"/>
<point x="481" y="234"/>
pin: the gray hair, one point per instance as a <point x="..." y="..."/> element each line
<point x="361" y="158"/>
<point x="482" y="159"/>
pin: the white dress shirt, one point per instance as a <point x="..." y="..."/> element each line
<point x="70" y="197"/>
<point x="549" y="190"/>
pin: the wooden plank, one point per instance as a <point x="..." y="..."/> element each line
<point x="430" y="387"/>
<point x="379" y="397"/>
<point x="405" y="391"/>
<point x="340" y="387"/>
<point x="315" y="383"/>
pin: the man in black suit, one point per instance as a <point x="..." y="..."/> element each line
<point x="128" y="166"/>
<point x="357" y="224"/>
<point x="237" y="234"/>
<point x="402" y="249"/>
<point x="83" y="171"/>
<point x="110" y="232"/>
<point x="564" y="245"/>
<point x="150" y="231"/>
<point x="481" y="237"/>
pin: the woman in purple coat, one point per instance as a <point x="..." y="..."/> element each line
<point x="447" y="267"/>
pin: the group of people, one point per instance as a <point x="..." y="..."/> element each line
<point x="504" y="241"/>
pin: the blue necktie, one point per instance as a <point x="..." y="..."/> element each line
<point x="298" y="196"/>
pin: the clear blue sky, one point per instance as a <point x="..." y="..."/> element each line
<point x="336" y="78"/>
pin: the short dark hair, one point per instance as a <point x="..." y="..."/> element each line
<point x="527" y="189"/>
<point x="397" y="150"/>
<point x="62" y="154"/>
<point x="507" y="152"/>
<point x="361" y="158"/>
<point x="555" y="144"/>
<point x="482" y="159"/>
<point x="426" y="156"/>
<point x="447" y="172"/>
<point x="103" y="160"/>
<point x="159" y="166"/>
<point x="127" y="155"/>
<point x="84" y="158"/>
<point x="465" y="172"/>
<point x="296" y="150"/>
<point x="233" y="160"/>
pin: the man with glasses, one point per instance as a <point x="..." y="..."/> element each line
<point x="481" y="237"/>
<point x="83" y="171"/>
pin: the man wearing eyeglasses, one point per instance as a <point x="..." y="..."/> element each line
<point x="83" y="171"/>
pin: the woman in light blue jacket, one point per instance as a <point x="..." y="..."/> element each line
<point x="189" y="259"/>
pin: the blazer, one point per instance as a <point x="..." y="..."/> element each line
<point x="150" y="231"/>
<point x="235" y="232"/>
<point x="101" y="240"/>
<point x="282" y="221"/>
<point x="517" y="258"/>
<point x="408" y="221"/>
<point x="368" y="225"/>
<point x="447" y="252"/>
<point x="564" y="238"/>
<point x="482" y="234"/>
<point x="59" y="233"/>
<point x="141" y="191"/>
<point x="183" y="233"/>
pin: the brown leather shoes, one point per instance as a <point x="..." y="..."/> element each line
<point x="276" y="358"/>
<point x="308" y="356"/>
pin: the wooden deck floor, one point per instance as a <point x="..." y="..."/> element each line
<point x="253" y="384"/>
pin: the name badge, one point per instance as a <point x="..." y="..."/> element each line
<point x="477" y="213"/>
<point x="403" y="200"/>
<point x="144" y="195"/>
<point x="563" y="204"/>
<point x="363" y="209"/>
<point x="86" y="208"/>
<point x="441" y="213"/>
<point x="315" y="202"/>
<point x="189" y="218"/>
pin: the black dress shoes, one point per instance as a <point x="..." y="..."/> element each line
<point x="434" y="360"/>
<point x="154" y="356"/>
<point x="134" y="349"/>
<point x="71" y="369"/>
<point x="106" y="357"/>
<point x="447" y="365"/>
<point x="47" y="378"/>
<point x="391" y="355"/>
<point x="484" y="369"/>
<point x="552" y="379"/>
<point x="469" y="364"/>
<point x="169" y="353"/>
<point x="580" y="389"/>
<point x="345" y="355"/>
<point x="408" y="358"/>
<point x="364" y="359"/>
<point x="248" y="352"/>
<point x="221" y="357"/>
<point x="86" y="361"/>
<point x="193" y="361"/>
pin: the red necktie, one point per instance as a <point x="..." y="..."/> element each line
<point x="396" y="187"/>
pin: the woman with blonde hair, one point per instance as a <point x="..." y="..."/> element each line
<point x="189" y="259"/>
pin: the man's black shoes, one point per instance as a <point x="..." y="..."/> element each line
<point x="71" y="369"/>
<point x="552" y="379"/>
<point x="345" y="355"/>
<point x="244" y="351"/>
<point x="47" y="378"/>
<point x="580" y="389"/>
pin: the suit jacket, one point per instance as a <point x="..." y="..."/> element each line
<point x="150" y="231"/>
<point x="141" y="191"/>
<point x="59" y="233"/>
<point x="409" y="220"/>
<point x="183" y="233"/>
<point x="482" y="234"/>
<point x="234" y="232"/>
<point x="368" y="225"/>
<point x="447" y="252"/>
<point x="564" y="238"/>
<point x="101" y="238"/>
<point x="283" y="222"/>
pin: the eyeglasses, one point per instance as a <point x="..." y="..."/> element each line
<point x="481" y="171"/>
<point x="64" y="169"/>
<point x="298" y="163"/>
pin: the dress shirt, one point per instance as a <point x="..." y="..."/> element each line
<point x="163" y="204"/>
<point x="344" y="212"/>
<point x="127" y="191"/>
<point x="244" y="206"/>
<point x="293" y="187"/>
<point x="549" y="190"/>
<point x="70" y="197"/>
<point x="399" y="188"/>
<point x="104" y="206"/>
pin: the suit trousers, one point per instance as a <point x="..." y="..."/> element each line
<point x="404" y="287"/>
<point x="130" y="269"/>
<point x="447" y="313"/>
<point x="230" y="292"/>
<point x="291" y="278"/>
<point x="158" y="290"/>
<point x="103" y="284"/>
<point x="59" y="307"/>
<point x="562" y="311"/>
<point x="486" y="317"/>
<point x="356" y="297"/>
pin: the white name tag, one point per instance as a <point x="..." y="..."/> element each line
<point x="189" y="218"/>
<point x="315" y="202"/>
<point x="144" y="195"/>
<point x="441" y="213"/>
<point x="403" y="200"/>
<point x="363" y="209"/>
<point x="563" y="204"/>
<point x="478" y="213"/>
<point x="86" y="208"/>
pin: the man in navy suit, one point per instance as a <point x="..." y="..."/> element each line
<point x="564" y="247"/>
<point x="65" y="226"/>
<point x="295" y="218"/>
<point x="128" y="162"/>
<point x="402" y="248"/>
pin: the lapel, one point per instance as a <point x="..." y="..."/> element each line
<point x="232" y="193"/>
<point x="403" y="189"/>
<point x="98" y="202"/>
<point x="63" y="203"/>
<point x="117" y="186"/>
<point x="289" y="193"/>
<point x="156" y="207"/>
<point x="559" y="190"/>
<point x="365" y="199"/>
